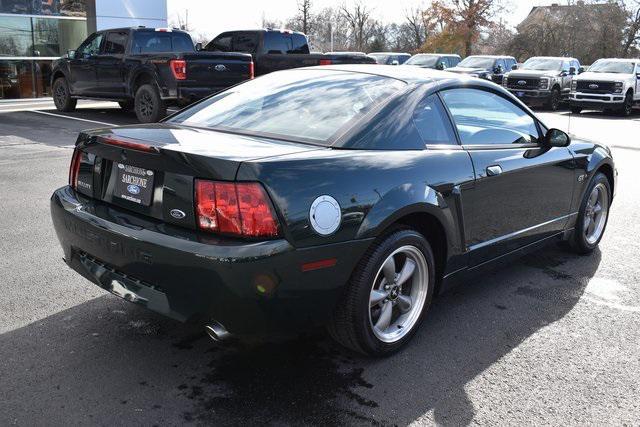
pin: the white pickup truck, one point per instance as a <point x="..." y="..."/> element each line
<point x="609" y="85"/>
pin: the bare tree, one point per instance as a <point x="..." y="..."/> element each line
<point x="632" y="31"/>
<point x="304" y="17"/>
<point x="415" y="23"/>
<point x="359" y="21"/>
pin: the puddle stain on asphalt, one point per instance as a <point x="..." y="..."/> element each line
<point x="295" y="382"/>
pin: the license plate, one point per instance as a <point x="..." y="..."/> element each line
<point x="134" y="184"/>
<point x="519" y="94"/>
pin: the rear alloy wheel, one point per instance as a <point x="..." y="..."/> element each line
<point x="554" y="100"/>
<point x="593" y="215"/>
<point x="627" y="107"/>
<point x="149" y="106"/>
<point x="387" y="296"/>
<point x="62" y="97"/>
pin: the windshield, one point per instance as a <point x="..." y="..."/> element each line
<point x="380" y="58"/>
<point x="423" y="60"/>
<point x="616" y="67"/>
<point x="300" y="105"/>
<point x="477" y="62"/>
<point x="542" y="64"/>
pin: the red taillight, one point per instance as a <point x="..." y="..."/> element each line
<point x="128" y="143"/>
<point x="178" y="68"/>
<point x="252" y="72"/>
<point x="74" y="168"/>
<point x="241" y="208"/>
<point x="325" y="62"/>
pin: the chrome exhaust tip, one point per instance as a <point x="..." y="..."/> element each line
<point x="216" y="331"/>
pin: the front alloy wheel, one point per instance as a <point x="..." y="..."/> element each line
<point x="592" y="216"/>
<point x="627" y="107"/>
<point x="554" y="102"/>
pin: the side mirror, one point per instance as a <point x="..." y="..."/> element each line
<point x="638" y="75"/>
<point x="514" y="67"/>
<point x="440" y="66"/>
<point x="198" y="47"/>
<point x="556" y="138"/>
<point x="563" y="74"/>
<point x="581" y="70"/>
<point x="395" y="62"/>
<point x="498" y="70"/>
<point x="572" y="71"/>
<point x="71" y="54"/>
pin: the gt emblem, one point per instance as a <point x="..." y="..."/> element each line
<point x="593" y="86"/>
<point x="522" y="82"/>
<point x="220" y="67"/>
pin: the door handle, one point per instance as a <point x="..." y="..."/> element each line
<point x="494" y="170"/>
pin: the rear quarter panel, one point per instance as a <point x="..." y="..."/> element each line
<point x="374" y="188"/>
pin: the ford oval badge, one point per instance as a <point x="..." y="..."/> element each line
<point x="133" y="189"/>
<point x="177" y="213"/>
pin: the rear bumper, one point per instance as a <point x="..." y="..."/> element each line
<point x="189" y="94"/>
<point x="249" y="287"/>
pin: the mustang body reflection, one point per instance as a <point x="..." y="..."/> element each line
<point x="345" y="196"/>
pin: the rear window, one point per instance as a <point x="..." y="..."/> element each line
<point x="157" y="41"/>
<point x="312" y="106"/>
<point x="234" y="42"/>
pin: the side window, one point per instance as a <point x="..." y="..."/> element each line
<point x="221" y="43"/>
<point x="90" y="47"/>
<point x="277" y="43"/>
<point x="432" y="122"/>
<point x="502" y="64"/>
<point x="115" y="43"/>
<point x="300" y="44"/>
<point x="565" y="66"/>
<point x="245" y="42"/>
<point x="182" y="43"/>
<point x="454" y="60"/>
<point x="484" y="118"/>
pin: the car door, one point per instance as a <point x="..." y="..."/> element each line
<point x="637" y="87"/>
<point x="111" y="63"/>
<point x="566" y="77"/>
<point x="523" y="189"/>
<point x="83" y="66"/>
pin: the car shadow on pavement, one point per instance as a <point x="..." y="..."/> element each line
<point x="107" y="360"/>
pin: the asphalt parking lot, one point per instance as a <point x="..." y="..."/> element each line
<point x="552" y="339"/>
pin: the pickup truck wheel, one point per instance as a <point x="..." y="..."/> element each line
<point x="126" y="105"/>
<point x="554" y="100"/>
<point x="627" y="107"/>
<point x="576" y="110"/>
<point x="61" y="96"/>
<point x="387" y="296"/>
<point x="592" y="216"/>
<point x="148" y="105"/>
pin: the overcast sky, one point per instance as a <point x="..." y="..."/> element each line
<point x="215" y="16"/>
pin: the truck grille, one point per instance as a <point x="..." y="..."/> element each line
<point x="587" y="86"/>
<point x="517" y="82"/>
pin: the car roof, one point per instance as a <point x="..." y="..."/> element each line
<point x="159" y="29"/>
<point x="555" y="57"/>
<point x="619" y="59"/>
<point x="438" y="54"/>
<point x="389" y="53"/>
<point x="410" y="75"/>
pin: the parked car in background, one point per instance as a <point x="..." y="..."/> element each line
<point x="275" y="50"/>
<point x="436" y="61"/>
<point x="609" y="84"/>
<point x="347" y="53"/>
<point x="543" y="80"/>
<point x="144" y="69"/>
<point x="344" y="196"/>
<point x="390" y="58"/>
<point x="485" y="67"/>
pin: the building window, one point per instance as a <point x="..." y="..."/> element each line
<point x="45" y="7"/>
<point x="15" y="36"/>
<point x="54" y="37"/>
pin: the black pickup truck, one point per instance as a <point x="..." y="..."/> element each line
<point x="144" y="69"/>
<point x="274" y="50"/>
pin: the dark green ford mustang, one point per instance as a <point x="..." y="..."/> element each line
<point x="344" y="196"/>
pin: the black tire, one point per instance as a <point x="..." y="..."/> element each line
<point x="62" y="97"/>
<point x="554" y="100"/>
<point x="350" y="323"/>
<point x="627" y="106"/>
<point x="126" y="105"/>
<point x="148" y="105"/>
<point x="576" y="110"/>
<point x="579" y="242"/>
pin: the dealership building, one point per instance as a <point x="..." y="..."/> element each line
<point x="33" y="33"/>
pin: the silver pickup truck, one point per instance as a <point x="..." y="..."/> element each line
<point x="608" y="85"/>
<point x="543" y="81"/>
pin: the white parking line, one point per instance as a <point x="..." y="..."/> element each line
<point x="71" y="118"/>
